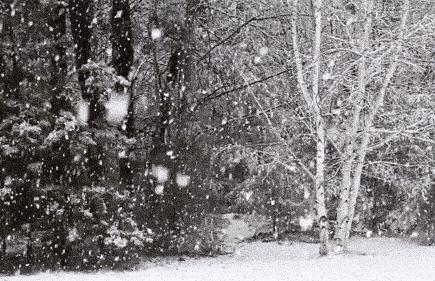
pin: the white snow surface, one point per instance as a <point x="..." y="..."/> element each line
<point x="380" y="259"/>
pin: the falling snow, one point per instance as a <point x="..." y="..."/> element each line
<point x="161" y="173"/>
<point x="216" y="140"/>
<point x="156" y="33"/>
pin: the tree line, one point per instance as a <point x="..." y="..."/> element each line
<point x="128" y="126"/>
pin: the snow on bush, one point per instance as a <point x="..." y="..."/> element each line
<point x="128" y="234"/>
<point x="73" y="235"/>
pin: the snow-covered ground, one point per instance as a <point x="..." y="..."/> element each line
<point x="370" y="259"/>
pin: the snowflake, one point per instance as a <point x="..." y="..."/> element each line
<point x="161" y="173"/>
<point x="182" y="180"/>
<point x="305" y="223"/>
<point x="247" y="194"/>
<point x="118" y="14"/>
<point x="156" y="33"/>
<point x="326" y="76"/>
<point x="263" y="51"/>
<point x="159" y="189"/>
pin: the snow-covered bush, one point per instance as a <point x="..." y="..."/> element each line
<point x="206" y="238"/>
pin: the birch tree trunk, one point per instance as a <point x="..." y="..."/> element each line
<point x="362" y="151"/>
<point x="313" y="100"/>
<point x="343" y="216"/>
<point x="319" y="122"/>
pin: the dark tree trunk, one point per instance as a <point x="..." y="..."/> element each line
<point x="167" y="101"/>
<point x="122" y="59"/>
<point x="81" y="15"/>
<point x="57" y="24"/>
<point x="29" y="246"/>
<point x="194" y="12"/>
<point x="3" y="247"/>
<point x="172" y="95"/>
<point x="3" y="221"/>
<point x="12" y="76"/>
<point x="180" y="83"/>
<point x="58" y="165"/>
<point x="122" y="40"/>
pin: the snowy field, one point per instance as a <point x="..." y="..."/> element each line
<point x="380" y="259"/>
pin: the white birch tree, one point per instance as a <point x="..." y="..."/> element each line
<point x="311" y="96"/>
<point x="351" y="179"/>
<point x="369" y="60"/>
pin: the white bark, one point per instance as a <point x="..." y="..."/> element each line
<point x="362" y="151"/>
<point x="343" y="215"/>
<point x="319" y="122"/>
<point x="313" y="99"/>
<point x="297" y="55"/>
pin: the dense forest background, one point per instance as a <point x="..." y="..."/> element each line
<point x="128" y="127"/>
